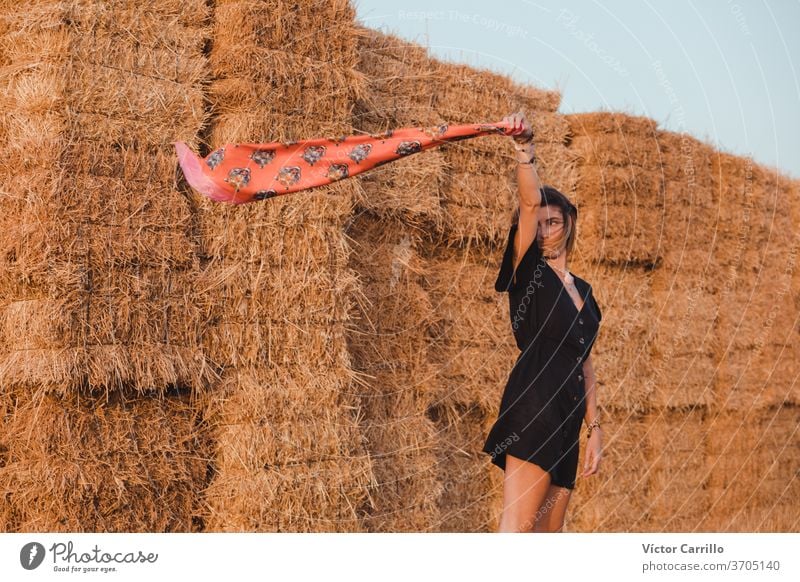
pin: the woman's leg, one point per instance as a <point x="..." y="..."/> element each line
<point x="524" y="489"/>
<point x="550" y="517"/>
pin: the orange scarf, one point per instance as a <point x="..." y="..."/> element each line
<point x="240" y="173"/>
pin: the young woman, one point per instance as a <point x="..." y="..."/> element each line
<point x="551" y="388"/>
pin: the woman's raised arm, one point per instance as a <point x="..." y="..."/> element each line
<point x="530" y="197"/>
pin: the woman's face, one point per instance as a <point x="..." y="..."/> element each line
<point x="551" y="223"/>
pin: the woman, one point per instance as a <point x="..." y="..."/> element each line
<point x="555" y="320"/>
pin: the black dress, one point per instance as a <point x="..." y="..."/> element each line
<point x="544" y="402"/>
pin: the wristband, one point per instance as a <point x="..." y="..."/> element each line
<point x="594" y="424"/>
<point x="525" y="158"/>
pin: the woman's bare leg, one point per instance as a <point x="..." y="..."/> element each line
<point x="524" y="489"/>
<point x="550" y="517"/>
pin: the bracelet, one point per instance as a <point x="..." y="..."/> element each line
<point x="530" y="159"/>
<point x="593" y="424"/>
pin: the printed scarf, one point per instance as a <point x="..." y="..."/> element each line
<point x="247" y="172"/>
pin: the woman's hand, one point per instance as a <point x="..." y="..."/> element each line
<point x="521" y="130"/>
<point x="594" y="453"/>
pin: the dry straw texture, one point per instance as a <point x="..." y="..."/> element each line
<point x="86" y="464"/>
<point x="398" y="204"/>
<point x="694" y="256"/>
<point x="98" y="258"/>
<point x="289" y="452"/>
<point x="332" y="360"/>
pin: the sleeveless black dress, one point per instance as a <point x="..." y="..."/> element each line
<point x="544" y="401"/>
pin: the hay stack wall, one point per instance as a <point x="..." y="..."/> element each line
<point x="98" y="256"/>
<point x="99" y="352"/>
<point x="693" y="255"/>
<point x="398" y="203"/>
<point x="664" y="365"/>
<point x="277" y="292"/>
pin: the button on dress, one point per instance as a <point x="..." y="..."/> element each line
<point x="544" y="400"/>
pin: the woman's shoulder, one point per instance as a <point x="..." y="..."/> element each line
<point x="583" y="285"/>
<point x="512" y="278"/>
<point x="581" y="281"/>
<point x="587" y="290"/>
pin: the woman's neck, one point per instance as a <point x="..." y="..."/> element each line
<point x="560" y="262"/>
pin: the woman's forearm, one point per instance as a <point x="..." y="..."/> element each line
<point x="527" y="179"/>
<point x="590" y="384"/>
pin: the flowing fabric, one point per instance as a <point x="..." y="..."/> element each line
<point x="247" y="172"/>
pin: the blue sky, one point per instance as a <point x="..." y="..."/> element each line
<point x="727" y="72"/>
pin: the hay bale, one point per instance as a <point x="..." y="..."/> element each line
<point x="671" y="156"/>
<point x="753" y="470"/>
<point x="398" y="78"/>
<point x="470" y="342"/>
<point x="396" y="95"/>
<point x="619" y="150"/>
<point x="389" y="349"/>
<point x="685" y="348"/>
<point x="441" y="192"/>
<point x="611" y="186"/>
<point x="288" y="453"/>
<point x="610" y="122"/>
<point x="471" y="499"/>
<point x="764" y="375"/>
<point x="622" y="213"/>
<point x="407" y="190"/>
<point x="477" y="204"/>
<point x="276" y="284"/>
<point x="403" y="449"/>
<point x="87" y="463"/>
<point x="465" y="94"/>
<point x="677" y="474"/>
<point x="114" y="271"/>
<point x="688" y="161"/>
<point x="623" y="356"/>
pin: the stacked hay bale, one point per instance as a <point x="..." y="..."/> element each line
<point x="98" y="267"/>
<point x="648" y="197"/>
<point x="754" y="443"/>
<point x="389" y="338"/>
<point x="399" y="76"/>
<point x="478" y="198"/>
<point x="388" y="347"/>
<point x="276" y="286"/>
<point x="760" y="283"/>
<point x="753" y="466"/>
<point x="678" y="288"/>
<point x="472" y="350"/>
<point x="76" y="463"/>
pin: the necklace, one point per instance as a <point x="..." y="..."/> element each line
<point x="568" y="277"/>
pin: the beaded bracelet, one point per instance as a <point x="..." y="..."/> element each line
<point x="594" y="423"/>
